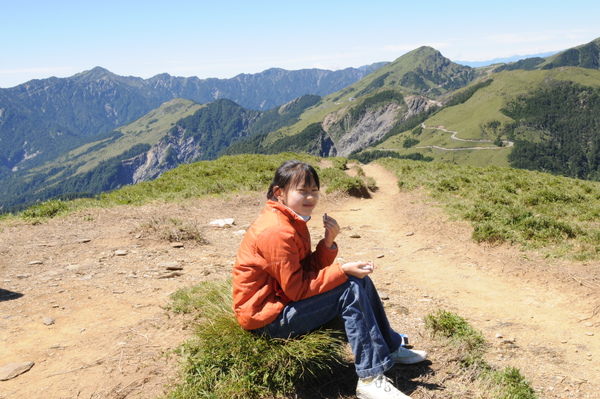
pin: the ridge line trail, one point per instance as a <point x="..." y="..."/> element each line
<point x="110" y="336"/>
<point x="498" y="290"/>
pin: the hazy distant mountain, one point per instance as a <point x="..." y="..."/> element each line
<point x="514" y="58"/>
<point x="43" y="118"/>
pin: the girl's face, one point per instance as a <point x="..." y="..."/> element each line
<point x="302" y="198"/>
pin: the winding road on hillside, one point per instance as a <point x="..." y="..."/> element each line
<point x="507" y="144"/>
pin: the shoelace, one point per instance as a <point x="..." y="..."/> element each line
<point x="382" y="379"/>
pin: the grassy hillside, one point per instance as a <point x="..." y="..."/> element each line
<point x="422" y="71"/>
<point x="557" y="215"/>
<point x="225" y="176"/>
<point x="481" y="118"/>
<point x="93" y="165"/>
<point x="149" y="129"/>
<point x="473" y="132"/>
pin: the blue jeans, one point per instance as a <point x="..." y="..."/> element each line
<point x="367" y="327"/>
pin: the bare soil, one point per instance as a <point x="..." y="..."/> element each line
<point x="83" y="297"/>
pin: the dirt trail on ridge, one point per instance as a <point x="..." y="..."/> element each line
<point x="83" y="296"/>
<point x="543" y="308"/>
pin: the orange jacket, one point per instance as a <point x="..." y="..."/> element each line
<point x="275" y="265"/>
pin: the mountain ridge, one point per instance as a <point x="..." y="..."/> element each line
<point x="386" y="104"/>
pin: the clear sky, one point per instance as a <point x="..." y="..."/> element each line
<point x="223" y="38"/>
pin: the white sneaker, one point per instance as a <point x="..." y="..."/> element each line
<point x="408" y="356"/>
<point x="379" y="388"/>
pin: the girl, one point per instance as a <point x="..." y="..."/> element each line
<point x="283" y="289"/>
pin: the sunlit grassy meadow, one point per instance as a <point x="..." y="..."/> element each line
<point x="557" y="215"/>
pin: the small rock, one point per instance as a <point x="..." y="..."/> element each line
<point x="177" y="245"/>
<point x="170" y="265"/>
<point x="121" y="252"/>
<point x="22" y="276"/>
<point x="499" y="335"/>
<point x="589" y="334"/>
<point x="83" y="240"/>
<point x="380" y="256"/>
<point x="410" y="234"/>
<point x="13" y="370"/>
<point x="384" y="297"/>
<point x="36" y="262"/>
<point x="48" y="321"/>
<point x="354" y="235"/>
<point x="171" y="274"/>
<point x="223" y="222"/>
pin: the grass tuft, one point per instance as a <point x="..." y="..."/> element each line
<point x="225" y="361"/>
<point x="508" y="383"/>
<point x="174" y="230"/>
<point x="45" y="210"/>
<point x="459" y="333"/>
<point x="511" y="384"/>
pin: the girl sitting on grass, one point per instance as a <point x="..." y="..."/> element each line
<point x="283" y="289"/>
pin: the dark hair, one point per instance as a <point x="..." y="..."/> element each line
<point x="292" y="172"/>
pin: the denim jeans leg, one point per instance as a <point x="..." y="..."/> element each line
<point x="362" y="320"/>
<point x="367" y="327"/>
<point x="391" y="337"/>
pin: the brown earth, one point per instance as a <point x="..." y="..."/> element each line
<point x="83" y="297"/>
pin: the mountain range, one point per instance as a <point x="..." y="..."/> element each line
<point x="97" y="131"/>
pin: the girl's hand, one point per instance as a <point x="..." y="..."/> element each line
<point x="358" y="269"/>
<point x="332" y="229"/>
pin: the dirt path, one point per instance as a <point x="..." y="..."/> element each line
<point x="534" y="305"/>
<point x="83" y="297"/>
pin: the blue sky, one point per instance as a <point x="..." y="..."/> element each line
<point x="223" y="38"/>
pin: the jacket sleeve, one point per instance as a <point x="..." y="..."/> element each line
<point x="323" y="256"/>
<point x="281" y="248"/>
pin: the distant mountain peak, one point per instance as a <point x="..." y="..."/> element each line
<point x="94" y="74"/>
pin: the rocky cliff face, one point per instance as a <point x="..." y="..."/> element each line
<point x="170" y="152"/>
<point x="369" y="128"/>
<point x="349" y="136"/>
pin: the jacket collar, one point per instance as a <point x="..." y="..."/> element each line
<point x="275" y="205"/>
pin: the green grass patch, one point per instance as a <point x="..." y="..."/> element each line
<point x="226" y="176"/>
<point x="556" y="215"/>
<point x="46" y="210"/>
<point x="223" y="360"/>
<point x="507" y="383"/>
<point x="511" y="384"/>
<point x="460" y="333"/>
<point x="338" y="180"/>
